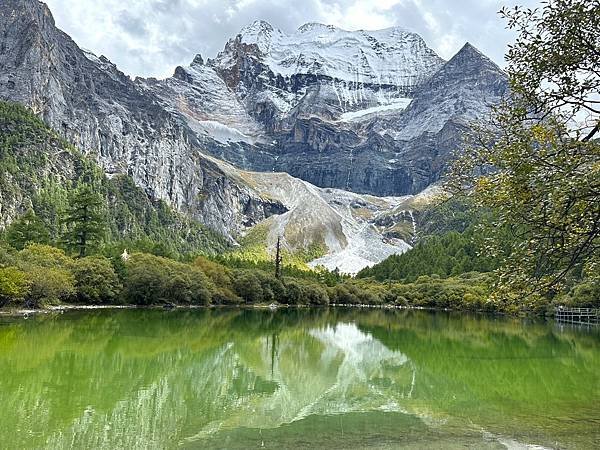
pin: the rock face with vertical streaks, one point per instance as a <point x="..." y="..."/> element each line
<point x="104" y="113"/>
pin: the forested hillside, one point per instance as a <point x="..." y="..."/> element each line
<point x="41" y="172"/>
<point x="449" y="254"/>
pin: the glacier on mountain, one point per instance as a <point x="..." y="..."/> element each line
<point x="393" y="56"/>
<point x="397" y="105"/>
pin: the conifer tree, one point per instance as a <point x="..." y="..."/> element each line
<point x="278" y="259"/>
<point x="27" y="228"/>
<point x="84" y="220"/>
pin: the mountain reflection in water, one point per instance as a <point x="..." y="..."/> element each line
<point x="292" y="379"/>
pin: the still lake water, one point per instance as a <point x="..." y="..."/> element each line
<point x="322" y="378"/>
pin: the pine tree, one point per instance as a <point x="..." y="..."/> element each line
<point x="84" y="220"/>
<point x="28" y="228"/>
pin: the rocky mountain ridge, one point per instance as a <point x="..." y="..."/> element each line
<point x="357" y="111"/>
<point x="370" y="112"/>
<point x="354" y="69"/>
<point x="103" y="113"/>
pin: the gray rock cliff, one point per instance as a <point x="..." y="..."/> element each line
<point x="102" y="112"/>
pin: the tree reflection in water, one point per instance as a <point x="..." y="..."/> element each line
<point x="326" y="377"/>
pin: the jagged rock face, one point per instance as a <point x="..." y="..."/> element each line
<point x="102" y="112"/>
<point x="461" y="91"/>
<point x="371" y="112"/>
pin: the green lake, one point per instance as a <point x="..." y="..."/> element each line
<point x="297" y="378"/>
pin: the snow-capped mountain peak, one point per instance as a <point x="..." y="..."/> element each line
<point x="259" y="33"/>
<point x="390" y="56"/>
<point x="256" y="27"/>
<point x="322" y="70"/>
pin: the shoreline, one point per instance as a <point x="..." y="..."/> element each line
<point x="25" y="313"/>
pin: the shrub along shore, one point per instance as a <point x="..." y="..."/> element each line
<point x="42" y="276"/>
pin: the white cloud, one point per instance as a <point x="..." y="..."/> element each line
<point x="151" y="37"/>
<point x="362" y="15"/>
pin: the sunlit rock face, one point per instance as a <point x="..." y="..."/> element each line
<point x="353" y="230"/>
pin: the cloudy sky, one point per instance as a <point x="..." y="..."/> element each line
<point x="151" y="37"/>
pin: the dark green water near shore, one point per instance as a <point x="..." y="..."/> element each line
<point x="322" y="378"/>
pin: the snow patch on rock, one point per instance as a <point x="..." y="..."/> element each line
<point x="208" y="105"/>
<point x="397" y="105"/>
<point x="366" y="245"/>
<point x="220" y="132"/>
<point x="91" y="56"/>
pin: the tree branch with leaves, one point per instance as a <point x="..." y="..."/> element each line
<point x="536" y="163"/>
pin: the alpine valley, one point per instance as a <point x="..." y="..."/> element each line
<point x="333" y="140"/>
